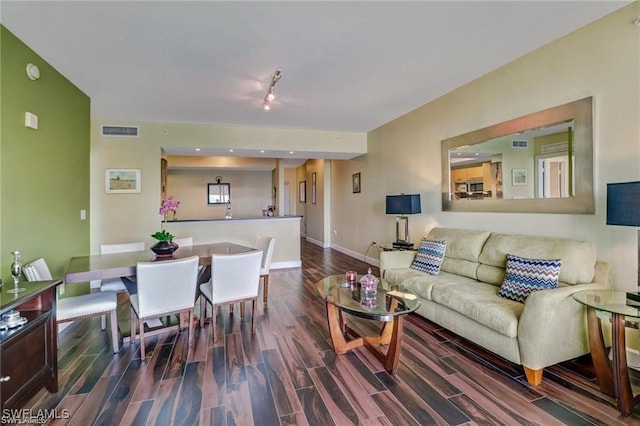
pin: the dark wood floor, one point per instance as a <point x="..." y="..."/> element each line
<point x="287" y="374"/>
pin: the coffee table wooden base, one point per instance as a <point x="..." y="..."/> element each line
<point x="390" y="335"/>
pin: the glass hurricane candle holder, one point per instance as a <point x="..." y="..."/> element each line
<point x="16" y="271"/>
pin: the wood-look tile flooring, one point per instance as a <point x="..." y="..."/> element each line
<point x="287" y="374"/>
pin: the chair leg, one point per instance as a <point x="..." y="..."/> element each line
<point x="242" y="310"/>
<point x="253" y="315"/>
<point x="203" y="310"/>
<point x="190" y="329"/>
<point x="265" y="289"/>
<point x="114" y="331"/>
<point x="213" y="322"/>
<point x="142" y="348"/>
<point x="103" y="322"/>
<point x="132" y="338"/>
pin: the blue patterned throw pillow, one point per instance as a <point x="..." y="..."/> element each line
<point x="429" y="256"/>
<point x="524" y="276"/>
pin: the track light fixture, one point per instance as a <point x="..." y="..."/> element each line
<point x="270" y="96"/>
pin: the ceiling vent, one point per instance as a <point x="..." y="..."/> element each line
<point x="519" y="144"/>
<point x="122" y="131"/>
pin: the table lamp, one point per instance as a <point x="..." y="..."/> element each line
<point x="402" y="205"/>
<point x="623" y="208"/>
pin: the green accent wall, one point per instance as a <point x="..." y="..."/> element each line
<point x="44" y="173"/>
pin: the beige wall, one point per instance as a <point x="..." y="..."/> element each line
<point x="251" y="192"/>
<point x="133" y="217"/>
<point x="601" y="60"/>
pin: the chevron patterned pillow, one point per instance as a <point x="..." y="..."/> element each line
<point x="524" y="276"/>
<point x="429" y="256"/>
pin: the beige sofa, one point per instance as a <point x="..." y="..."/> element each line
<point x="548" y="328"/>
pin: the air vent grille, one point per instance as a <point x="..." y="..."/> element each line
<point x="123" y="131"/>
<point x="519" y="144"/>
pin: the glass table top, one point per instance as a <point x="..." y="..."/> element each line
<point x="335" y="290"/>
<point x="615" y="302"/>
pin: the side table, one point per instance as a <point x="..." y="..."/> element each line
<point x="614" y="381"/>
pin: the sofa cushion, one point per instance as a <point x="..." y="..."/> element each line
<point x="429" y="256"/>
<point x="578" y="257"/>
<point x="463" y="249"/>
<point x="396" y="276"/>
<point x="422" y="285"/>
<point x="479" y="302"/>
<point x="525" y="276"/>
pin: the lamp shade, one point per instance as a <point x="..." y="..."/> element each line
<point x="403" y="204"/>
<point x="623" y="203"/>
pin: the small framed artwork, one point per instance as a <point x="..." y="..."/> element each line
<point x="122" y="181"/>
<point x="355" y="182"/>
<point x="519" y="177"/>
<point x="313" y="187"/>
<point x="302" y="191"/>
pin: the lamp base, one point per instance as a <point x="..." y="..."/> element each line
<point x="634" y="297"/>
<point x="405" y="245"/>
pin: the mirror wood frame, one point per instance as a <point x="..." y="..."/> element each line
<point x="582" y="202"/>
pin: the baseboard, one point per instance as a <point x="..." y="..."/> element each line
<point x="286" y="264"/>
<point x="356" y="255"/>
<point x="318" y="242"/>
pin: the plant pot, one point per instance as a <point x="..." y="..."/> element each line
<point x="164" y="248"/>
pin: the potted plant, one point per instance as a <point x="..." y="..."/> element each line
<point x="165" y="245"/>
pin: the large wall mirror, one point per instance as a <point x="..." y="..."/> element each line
<point x="539" y="163"/>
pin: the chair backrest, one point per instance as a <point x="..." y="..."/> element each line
<point x="265" y="244"/>
<point x="235" y="276"/>
<point x="37" y="270"/>
<point x="184" y="242"/>
<point x="121" y="248"/>
<point x="166" y="286"/>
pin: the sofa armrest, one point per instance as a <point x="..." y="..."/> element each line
<point x="553" y="326"/>
<point x="395" y="259"/>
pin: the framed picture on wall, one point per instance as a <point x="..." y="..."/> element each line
<point x="302" y="191"/>
<point x="355" y="182"/>
<point x="313" y="187"/>
<point x="519" y="177"/>
<point x="122" y="181"/>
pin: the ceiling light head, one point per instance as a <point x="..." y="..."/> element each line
<point x="270" y="96"/>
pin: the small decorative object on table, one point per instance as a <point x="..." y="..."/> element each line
<point x="165" y="245"/>
<point x="351" y="277"/>
<point x="16" y="271"/>
<point x="369" y="290"/>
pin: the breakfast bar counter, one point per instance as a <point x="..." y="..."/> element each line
<point x="285" y="229"/>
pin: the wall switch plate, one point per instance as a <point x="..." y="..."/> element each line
<point x="31" y="120"/>
<point x="83" y="215"/>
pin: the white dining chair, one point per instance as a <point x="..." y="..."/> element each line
<point x="78" y="307"/>
<point x="266" y="245"/>
<point x="235" y="278"/>
<point x="116" y="284"/>
<point x="164" y="288"/>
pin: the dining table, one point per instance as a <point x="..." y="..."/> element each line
<point x="118" y="265"/>
<point x="123" y="265"/>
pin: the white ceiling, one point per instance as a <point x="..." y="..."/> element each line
<point x="346" y="66"/>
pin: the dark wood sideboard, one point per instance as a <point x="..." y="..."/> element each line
<point x="29" y="353"/>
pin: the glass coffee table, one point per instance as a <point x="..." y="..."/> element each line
<point x="390" y="308"/>
<point x="613" y="381"/>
